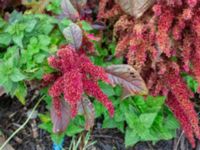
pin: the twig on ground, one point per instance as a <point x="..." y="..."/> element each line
<point x="23" y="125"/>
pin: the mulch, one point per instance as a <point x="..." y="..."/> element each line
<point x="13" y="114"/>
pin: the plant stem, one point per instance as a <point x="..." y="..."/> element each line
<point x="23" y="125"/>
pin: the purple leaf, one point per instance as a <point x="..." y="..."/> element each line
<point x="99" y="26"/>
<point x="60" y="123"/>
<point x="69" y="10"/>
<point x="135" y="8"/>
<point x="130" y="80"/>
<point x="73" y="35"/>
<point x="86" y="108"/>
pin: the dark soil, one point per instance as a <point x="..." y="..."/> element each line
<point x="13" y="114"/>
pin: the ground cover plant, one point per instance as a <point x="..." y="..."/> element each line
<point x="131" y="65"/>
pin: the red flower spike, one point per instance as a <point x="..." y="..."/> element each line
<point x="182" y="117"/>
<point x="92" y="88"/>
<point x="168" y="35"/>
<point x="75" y="68"/>
<point x="73" y="86"/>
<point x="182" y="95"/>
<point x="56" y="89"/>
<point x="97" y="73"/>
<point x="57" y="105"/>
<point x="54" y="62"/>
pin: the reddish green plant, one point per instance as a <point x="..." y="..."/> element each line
<point x="161" y="45"/>
<point x="75" y="76"/>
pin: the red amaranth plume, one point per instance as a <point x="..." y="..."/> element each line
<point x="181" y="116"/>
<point x="164" y="39"/>
<point x="182" y="95"/>
<point x="76" y="74"/>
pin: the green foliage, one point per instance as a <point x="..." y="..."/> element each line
<point x="191" y="82"/>
<point x="138" y="118"/>
<point x="26" y="41"/>
<point x="54" y="6"/>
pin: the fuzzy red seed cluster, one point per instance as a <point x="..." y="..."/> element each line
<point x="161" y="45"/>
<point x="75" y="75"/>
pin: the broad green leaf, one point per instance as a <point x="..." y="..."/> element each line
<point x="192" y="83"/>
<point x="99" y="109"/>
<point x="5" y="38"/>
<point x="119" y="116"/>
<point x="109" y="123"/>
<point x="30" y="25"/>
<point x="128" y="78"/>
<point x="171" y="122"/>
<point x="57" y="138"/>
<point x="86" y="26"/>
<point x="73" y="35"/>
<point x="118" y="90"/>
<point x="17" y="39"/>
<point x="132" y="119"/>
<point x="131" y="137"/>
<point x="147" y="119"/>
<point x="44" y="40"/>
<point x="154" y="103"/>
<point x="107" y="89"/>
<point x="46" y="126"/>
<point x="21" y="93"/>
<point x="17" y="76"/>
<point x="54" y="6"/>
<point x="44" y="118"/>
<point x="73" y="129"/>
<point x="39" y="58"/>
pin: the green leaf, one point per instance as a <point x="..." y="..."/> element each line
<point x="119" y="116"/>
<point x="5" y="38"/>
<point x="154" y="103"/>
<point x="39" y="58"/>
<point x="147" y="119"/>
<point x="73" y="129"/>
<point x="17" y="39"/>
<point x="99" y="109"/>
<point x="30" y="25"/>
<point x="57" y="138"/>
<point x="44" y="118"/>
<point x="107" y="89"/>
<point x="44" y="40"/>
<point x="17" y="76"/>
<point x="171" y="122"/>
<point x="109" y="123"/>
<point x="192" y="83"/>
<point x="86" y="26"/>
<point x="21" y="93"/>
<point x="54" y="6"/>
<point x="46" y="126"/>
<point x="131" y="138"/>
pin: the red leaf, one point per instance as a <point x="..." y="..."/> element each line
<point x="61" y="122"/>
<point x="86" y="108"/>
<point x="128" y="78"/>
<point x="69" y="10"/>
<point x="135" y="8"/>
